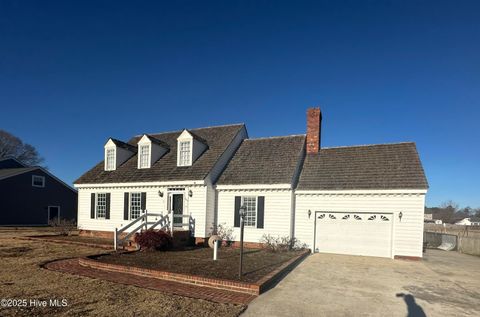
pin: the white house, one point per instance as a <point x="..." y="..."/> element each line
<point x="471" y="221"/>
<point x="161" y="173"/>
<point x="361" y="200"/>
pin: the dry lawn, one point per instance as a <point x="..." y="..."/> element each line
<point x="21" y="277"/>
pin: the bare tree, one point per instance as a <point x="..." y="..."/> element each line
<point x="12" y="147"/>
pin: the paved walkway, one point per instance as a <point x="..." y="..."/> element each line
<point x="442" y="284"/>
<point x="211" y="294"/>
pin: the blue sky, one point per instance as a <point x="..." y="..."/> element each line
<point x="74" y="73"/>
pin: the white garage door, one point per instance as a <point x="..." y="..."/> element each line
<point x="354" y="233"/>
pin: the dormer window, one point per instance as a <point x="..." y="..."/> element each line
<point x="117" y="153"/>
<point x="144" y="156"/>
<point x="189" y="148"/>
<point x="185" y="154"/>
<point x="110" y="159"/>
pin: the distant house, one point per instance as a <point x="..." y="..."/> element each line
<point x="33" y="196"/>
<point x="471" y="221"/>
<point x="427" y="217"/>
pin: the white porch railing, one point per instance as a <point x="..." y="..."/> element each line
<point x="142" y="223"/>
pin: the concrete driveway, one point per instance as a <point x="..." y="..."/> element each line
<point x="442" y="284"/>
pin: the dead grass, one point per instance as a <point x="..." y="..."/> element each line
<point x="21" y="277"/>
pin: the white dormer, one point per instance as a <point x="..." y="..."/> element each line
<point x="189" y="148"/>
<point x="150" y="150"/>
<point x="116" y="153"/>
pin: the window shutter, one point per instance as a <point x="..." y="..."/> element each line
<point x="125" y="206"/>
<point x="260" y="211"/>
<point x="92" y="206"/>
<point x="107" y="202"/>
<point x="143" y="201"/>
<point x="236" y="216"/>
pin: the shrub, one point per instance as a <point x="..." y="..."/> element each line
<point x="281" y="244"/>
<point x="63" y="227"/>
<point x="154" y="240"/>
<point x="224" y="232"/>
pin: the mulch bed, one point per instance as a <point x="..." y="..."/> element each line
<point x="199" y="261"/>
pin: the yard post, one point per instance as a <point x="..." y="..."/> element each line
<point x="242" y="213"/>
<point x="215" y="249"/>
<point x="115" y="240"/>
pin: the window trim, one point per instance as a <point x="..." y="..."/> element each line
<point x="130" y="205"/>
<point x="149" y="155"/>
<point x="256" y="209"/>
<point x="96" y="206"/>
<point x="40" y="177"/>
<point x="114" y="158"/>
<point x="189" y="157"/>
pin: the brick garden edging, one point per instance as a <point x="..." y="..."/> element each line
<point x="244" y="287"/>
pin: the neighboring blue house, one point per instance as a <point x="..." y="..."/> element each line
<point x="33" y="196"/>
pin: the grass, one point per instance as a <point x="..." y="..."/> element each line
<point x="198" y="261"/>
<point x="21" y="277"/>
<point x="83" y="239"/>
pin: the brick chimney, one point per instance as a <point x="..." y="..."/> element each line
<point x="314" y="122"/>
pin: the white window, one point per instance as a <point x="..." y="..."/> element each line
<point x="110" y="157"/>
<point x="101" y="205"/>
<point x="250" y="203"/>
<point x="38" y="181"/>
<point x="144" y="156"/>
<point x="185" y="154"/>
<point x="135" y="205"/>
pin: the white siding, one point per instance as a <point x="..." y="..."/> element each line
<point x="407" y="233"/>
<point x="211" y="207"/>
<point x="194" y="206"/>
<point x="278" y="205"/>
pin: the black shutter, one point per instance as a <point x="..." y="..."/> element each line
<point x="143" y="201"/>
<point x="92" y="206"/>
<point x="236" y="215"/>
<point x="125" y="206"/>
<point x="260" y="211"/>
<point x="107" y="202"/>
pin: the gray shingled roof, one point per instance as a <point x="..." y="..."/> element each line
<point x="9" y="172"/>
<point x="166" y="169"/>
<point x="383" y="166"/>
<point x="264" y="161"/>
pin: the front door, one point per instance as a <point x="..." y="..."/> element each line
<point x="53" y="213"/>
<point x="177" y="207"/>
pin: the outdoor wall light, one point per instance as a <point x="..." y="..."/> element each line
<point x="400" y="215"/>
<point x="160" y="193"/>
<point x="190" y="193"/>
<point x="309" y="213"/>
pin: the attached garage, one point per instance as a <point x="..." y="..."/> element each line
<point x="368" y="234"/>
<point x="362" y="200"/>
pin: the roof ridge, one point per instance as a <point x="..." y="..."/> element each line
<point x="181" y="130"/>
<point x="275" y="137"/>
<point x="364" y="145"/>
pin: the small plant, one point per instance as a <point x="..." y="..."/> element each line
<point x="224" y="232"/>
<point x="63" y="227"/>
<point x="281" y="244"/>
<point x="154" y="240"/>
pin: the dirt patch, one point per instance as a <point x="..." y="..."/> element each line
<point x="14" y="252"/>
<point x="22" y="277"/>
<point x="83" y="239"/>
<point x="199" y="261"/>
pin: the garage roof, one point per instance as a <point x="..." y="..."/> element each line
<point x="382" y="166"/>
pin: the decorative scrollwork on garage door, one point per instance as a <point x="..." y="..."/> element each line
<point x="384" y="218"/>
<point x="357" y="217"/>
<point x="373" y="217"/>
<point x="346" y="217"/>
<point x="332" y="216"/>
<point x="321" y="216"/>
